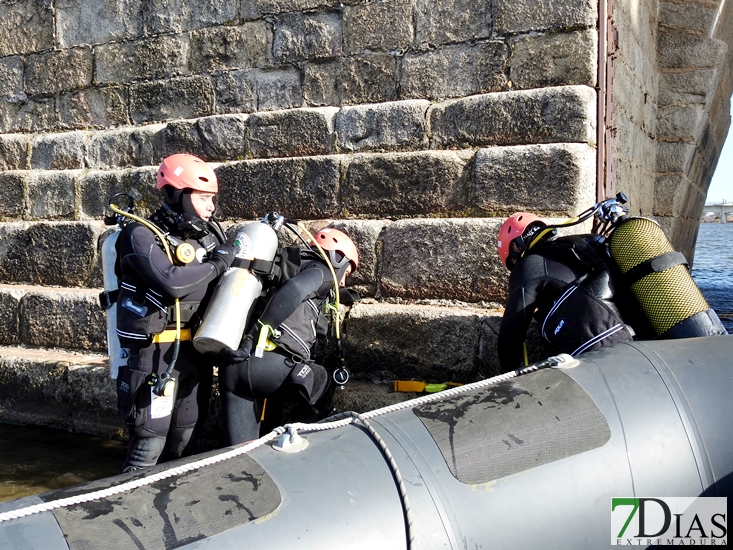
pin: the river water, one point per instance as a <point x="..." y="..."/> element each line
<point x="712" y="268"/>
<point x="34" y="460"/>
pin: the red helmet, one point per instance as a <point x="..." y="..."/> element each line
<point x="183" y="171"/>
<point x="514" y="226"/>
<point x="334" y="240"/>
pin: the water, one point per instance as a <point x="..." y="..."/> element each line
<point x="712" y="268"/>
<point x="34" y="460"/>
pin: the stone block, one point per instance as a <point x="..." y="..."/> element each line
<point x="223" y="137"/>
<point x="405" y="184"/>
<point x="677" y="50"/>
<point x="182" y="136"/>
<point x="94" y="107"/>
<point x="455" y="70"/>
<point x="14" y="151"/>
<point x="538" y="61"/>
<point x="518" y="16"/>
<point x="390" y="126"/>
<point x="385" y="342"/>
<point x="370" y="78"/>
<point x="451" y="21"/>
<point x="674" y="156"/>
<point x="50" y="195"/>
<point x="667" y="189"/>
<point x="301" y="188"/>
<point x="50" y="253"/>
<point x="68" y="319"/>
<point x="563" y="114"/>
<point x="235" y="91"/>
<point x="126" y="147"/>
<point x="254" y="9"/>
<point x="694" y="86"/>
<point x="96" y="188"/>
<point x="10" y="297"/>
<point x="366" y="235"/>
<point x="58" y="71"/>
<point x="305" y="36"/>
<point x="58" y="151"/>
<point x="690" y="17"/>
<point x="291" y="133"/>
<point x="34" y="392"/>
<point x="222" y="48"/>
<point x="26" y="27"/>
<point x="279" y="89"/>
<point x="164" y="16"/>
<point x="92" y="22"/>
<point x="33" y="115"/>
<point x="680" y="122"/>
<point x="11" y="79"/>
<point x="449" y="259"/>
<point x="12" y="194"/>
<point x="378" y="26"/>
<point x="149" y="59"/>
<point x="187" y="97"/>
<point x="539" y="178"/>
<point x="94" y="396"/>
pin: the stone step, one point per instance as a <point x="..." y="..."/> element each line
<point x="71" y="391"/>
<point x="562" y="114"/>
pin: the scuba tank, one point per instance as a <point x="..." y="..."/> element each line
<point x="659" y="278"/>
<point x="228" y="311"/>
<point x="109" y="257"/>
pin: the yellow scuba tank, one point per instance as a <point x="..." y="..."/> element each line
<point x="659" y="278"/>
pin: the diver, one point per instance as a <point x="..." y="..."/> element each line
<point x="292" y="318"/>
<point x="158" y="308"/>
<point x="565" y="283"/>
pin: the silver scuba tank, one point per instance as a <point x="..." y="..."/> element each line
<point x="228" y="311"/>
<point x="109" y="256"/>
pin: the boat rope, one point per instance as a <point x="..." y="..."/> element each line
<point x="336" y="421"/>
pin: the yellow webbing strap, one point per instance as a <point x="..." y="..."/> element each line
<point x="168" y="336"/>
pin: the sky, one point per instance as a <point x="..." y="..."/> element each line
<point x="721" y="187"/>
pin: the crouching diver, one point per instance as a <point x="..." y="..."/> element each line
<point x="165" y="267"/>
<point x="564" y="283"/>
<point x="276" y="354"/>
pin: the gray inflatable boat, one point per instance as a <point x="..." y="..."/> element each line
<point x="530" y="459"/>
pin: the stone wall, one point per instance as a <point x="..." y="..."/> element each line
<point x="416" y="125"/>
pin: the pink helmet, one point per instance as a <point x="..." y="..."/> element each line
<point x="514" y="226"/>
<point x="334" y="240"/>
<point x="183" y="171"/>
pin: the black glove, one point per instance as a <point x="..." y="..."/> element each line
<point x="238" y="355"/>
<point x="223" y="256"/>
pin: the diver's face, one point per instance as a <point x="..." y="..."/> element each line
<point x="203" y="204"/>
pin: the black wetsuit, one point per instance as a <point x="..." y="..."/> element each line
<point x="294" y="311"/>
<point x="158" y="429"/>
<point x="568" y="289"/>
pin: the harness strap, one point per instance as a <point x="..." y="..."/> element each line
<point x="259" y="266"/>
<point x="654" y="265"/>
<point x="108" y="298"/>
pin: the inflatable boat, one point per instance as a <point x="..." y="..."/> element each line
<point x="529" y="459"/>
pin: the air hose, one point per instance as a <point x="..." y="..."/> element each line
<point x="165" y="384"/>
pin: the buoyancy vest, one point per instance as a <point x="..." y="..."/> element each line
<point x="143" y="311"/>
<point x="583" y="316"/>
<point x="309" y="322"/>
